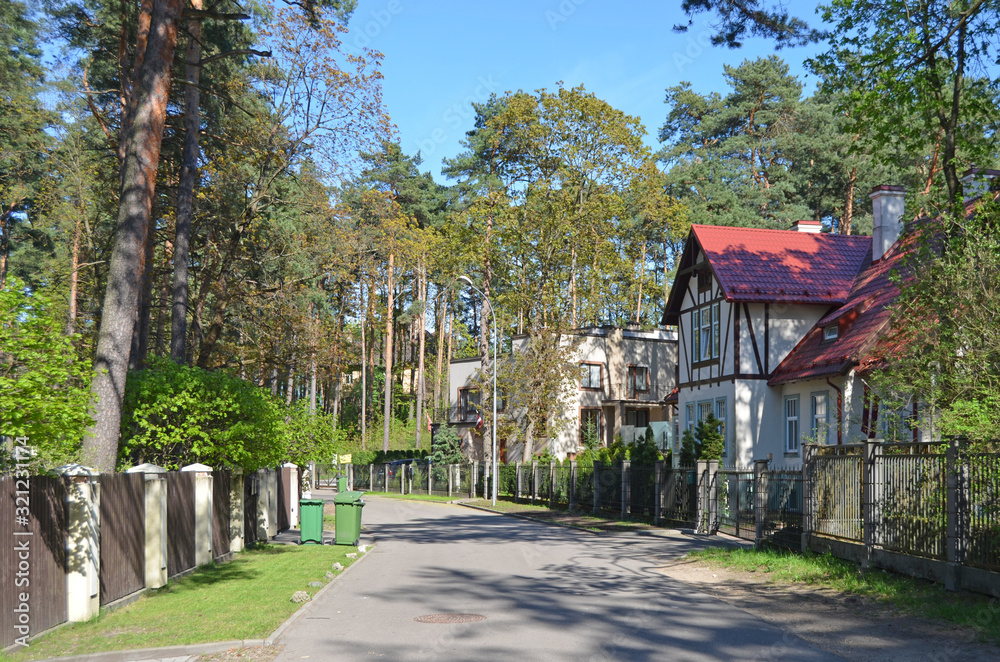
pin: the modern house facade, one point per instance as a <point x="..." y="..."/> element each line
<point x="625" y="378"/>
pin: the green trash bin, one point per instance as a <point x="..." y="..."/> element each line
<point x="311" y="521"/>
<point x="347" y="506"/>
<point x="341" y="484"/>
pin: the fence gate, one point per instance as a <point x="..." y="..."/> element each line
<point x="46" y="524"/>
<point x="180" y="522"/>
<point x="251" y="485"/>
<point x="123" y="535"/>
<point x="221" y="482"/>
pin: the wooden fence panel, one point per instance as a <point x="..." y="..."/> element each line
<point x="251" y="484"/>
<point x="221" y="481"/>
<point x="180" y="522"/>
<point x="284" y="498"/>
<point x="123" y="535"/>
<point x="45" y="568"/>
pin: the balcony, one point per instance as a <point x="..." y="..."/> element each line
<point x="627" y="391"/>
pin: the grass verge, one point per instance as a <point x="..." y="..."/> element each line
<point x="211" y="604"/>
<point x="912" y="596"/>
<point x="415" y="497"/>
<point x="580" y="520"/>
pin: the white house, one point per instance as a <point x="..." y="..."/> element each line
<point x="625" y="378"/>
<point x="779" y="328"/>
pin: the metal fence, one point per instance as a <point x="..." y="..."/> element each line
<point x="679" y="496"/>
<point x="735" y="489"/>
<point x="835" y="478"/>
<point x="180" y="522"/>
<point x="122" y="536"/>
<point x="910" y="485"/>
<point x="982" y="507"/>
<point x="782" y="501"/>
<point x="42" y="531"/>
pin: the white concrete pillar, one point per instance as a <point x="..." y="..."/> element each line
<point x="236" y="511"/>
<point x="293" y="494"/>
<point x="202" y="512"/>
<point x="263" y="507"/>
<point x="83" y="545"/>
<point x="272" y="502"/>
<point x="156" y="523"/>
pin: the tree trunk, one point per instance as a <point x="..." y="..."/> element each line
<point x="74" y="278"/>
<point x="642" y="269"/>
<point x="185" y="191"/>
<point x="422" y="346"/>
<point x="451" y="346"/>
<point x="143" y="310"/>
<point x="849" y="205"/>
<point x="442" y="302"/>
<point x="364" y="374"/>
<point x="100" y="443"/>
<point x="387" y="408"/>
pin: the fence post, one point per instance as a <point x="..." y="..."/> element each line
<point x="597" y="485"/>
<point x="473" y="479"/>
<point x="626" y="506"/>
<point x="202" y="512"/>
<point x="236" y="533"/>
<point x="552" y="483"/>
<point x="701" y="506"/>
<point x="534" y="482"/>
<point x="487" y="470"/>
<point x="760" y="500"/>
<point x="870" y="490"/>
<point x="808" y="505"/>
<point x="293" y="493"/>
<point x="713" y="497"/>
<point x="155" y="514"/>
<point x="517" y="489"/>
<point x="83" y="545"/>
<point x="572" y="485"/>
<point x="956" y="471"/>
<point x="657" y="491"/>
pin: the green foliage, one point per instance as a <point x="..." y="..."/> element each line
<point x="590" y="437"/>
<point x="446" y="447"/>
<point x="44" y="387"/>
<point x="311" y="435"/>
<point x="175" y="415"/>
<point x="708" y="434"/>
<point x="689" y="448"/>
<point x="381" y="457"/>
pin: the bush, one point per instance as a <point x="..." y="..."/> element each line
<point x="174" y="415"/>
<point x="710" y="440"/>
<point x="44" y="387"/>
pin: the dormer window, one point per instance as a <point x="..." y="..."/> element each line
<point x="830" y="332"/>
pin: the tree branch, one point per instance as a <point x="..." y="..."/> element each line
<point x="218" y="16"/>
<point x="219" y="56"/>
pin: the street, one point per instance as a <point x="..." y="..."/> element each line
<point x="540" y="592"/>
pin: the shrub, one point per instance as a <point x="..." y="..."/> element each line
<point x="446" y="446"/>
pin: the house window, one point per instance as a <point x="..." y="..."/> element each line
<point x="468" y="402"/>
<point x="705" y="327"/>
<point x="820" y="418"/>
<point x="720" y="413"/>
<point x="690" y="417"/>
<point x="638" y="379"/>
<point x="590" y="376"/>
<point x="792" y="424"/>
<point x="704" y="409"/>
<point x="830" y="332"/>
<point x="637" y="418"/>
<point x="704" y="280"/>
<point x="590" y="426"/>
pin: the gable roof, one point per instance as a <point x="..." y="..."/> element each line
<point x="771" y="266"/>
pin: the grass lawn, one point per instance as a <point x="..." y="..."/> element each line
<point x="246" y="598"/>
<point x="587" y="521"/>
<point x="910" y="595"/>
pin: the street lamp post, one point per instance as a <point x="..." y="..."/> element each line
<point x="466" y="280"/>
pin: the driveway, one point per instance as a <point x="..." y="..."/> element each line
<point x="543" y="592"/>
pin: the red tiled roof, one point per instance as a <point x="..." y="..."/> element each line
<point x="785" y="266"/>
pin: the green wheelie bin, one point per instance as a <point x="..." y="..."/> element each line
<point x="347" y="506"/>
<point x="311" y="521"/>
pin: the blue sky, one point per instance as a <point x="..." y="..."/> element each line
<point x="442" y="55"/>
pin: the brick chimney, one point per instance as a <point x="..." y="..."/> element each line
<point x="812" y="227"/>
<point x="887" y="210"/>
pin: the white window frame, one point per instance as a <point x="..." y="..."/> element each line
<point x="721" y="410"/>
<point x="793" y="429"/>
<point x="706" y="328"/>
<point x="820" y="427"/>
<point x="830" y="332"/>
<point x="689" y="407"/>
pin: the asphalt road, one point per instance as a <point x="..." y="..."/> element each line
<point x="547" y="593"/>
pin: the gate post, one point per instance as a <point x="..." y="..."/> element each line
<point x="871" y="489"/>
<point x="713" y="497"/>
<point x="701" y="506"/>
<point x="202" y="512"/>
<point x="517" y="490"/>
<point x="626" y="506"/>
<point x="957" y="473"/>
<point x="657" y="491"/>
<point x="759" y="500"/>
<point x="572" y="485"/>
<point x="473" y="479"/>
<point x="235" y="511"/>
<point x="552" y="483"/>
<point x="534" y="482"/>
<point x="83" y="545"/>
<point x="155" y="513"/>
<point x="808" y="505"/>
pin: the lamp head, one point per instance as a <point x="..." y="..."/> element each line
<point x="466" y="280"/>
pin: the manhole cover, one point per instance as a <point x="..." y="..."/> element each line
<point x="450" y="618"/>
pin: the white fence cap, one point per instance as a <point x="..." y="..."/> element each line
<point x="146" y="468"/>
<point x="75" y="469"/>
<point x="197" y="467"/>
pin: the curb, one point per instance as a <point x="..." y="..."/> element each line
<point x="150" y="654"/>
